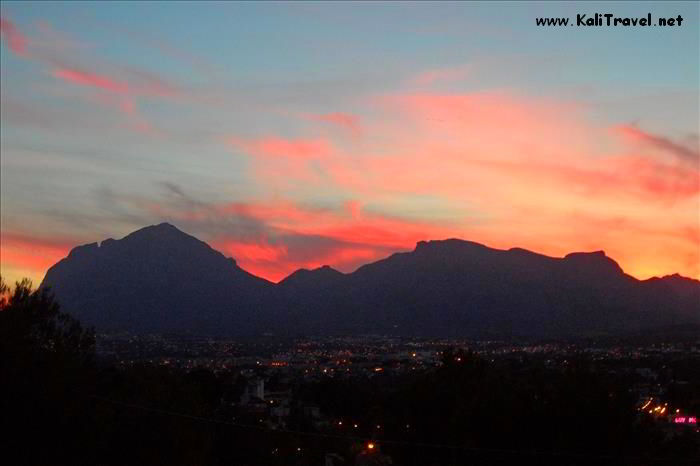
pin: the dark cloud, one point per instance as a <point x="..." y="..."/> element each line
<point x="683" y="152"/>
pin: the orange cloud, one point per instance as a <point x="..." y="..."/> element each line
<point x="247" y="253"/>
<point x="284" y="162"/>
<point x="348" y="224"/>
<point x="273" y="264"/>
<point x="274" y="238"/>
<point x="506" y="170"/>
<point x="466" y="145"/>
<point x="272" y="146"/>
<point x="25" y="255"/>
<point x="630" y="177"/>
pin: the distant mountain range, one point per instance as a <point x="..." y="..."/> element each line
<point x="159" y="279"/>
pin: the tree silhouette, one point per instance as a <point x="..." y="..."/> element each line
<point x="58" y="407"/>
<point x="31" y="322"/>
<point x="46" y="361"/>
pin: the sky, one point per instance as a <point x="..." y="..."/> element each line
<point x="294" y="135"/>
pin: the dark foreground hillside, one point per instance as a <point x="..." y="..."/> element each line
<point x="61" y="406"/>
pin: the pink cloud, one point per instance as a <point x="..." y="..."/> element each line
<point x="122" y="88"/>
<point x="15" y="40"/>
<point x="83" y="78"/>
<point x="56" y="50"/>
<point x="503" y="169"/>
<point x="142" y="84"/>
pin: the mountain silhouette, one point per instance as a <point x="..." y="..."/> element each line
<point x="159" y="279"/>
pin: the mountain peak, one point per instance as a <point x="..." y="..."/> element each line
<point x="304" y="275"/>
<point x="447" y="244"/>
<point x="326" y="268"/>
<point x="596" y="260"/>
<point x="161" y="233"/>
<point x="161" y="228"/>
<point x="113" y="284"/>
<point x="598" y="254"/>
<point x="164" y="226"/>
<point x="674" y="278"/>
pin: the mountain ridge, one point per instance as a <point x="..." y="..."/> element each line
<point x="159" y="278"/>
<point x="419" y="245"/>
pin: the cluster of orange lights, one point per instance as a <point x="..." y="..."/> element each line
<point x="661" y="410"/>
<point x="656" y="410"/>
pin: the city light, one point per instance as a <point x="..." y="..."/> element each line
<point x="371" y="362"/>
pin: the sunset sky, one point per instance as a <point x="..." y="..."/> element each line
<point x="301" y="134"/>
